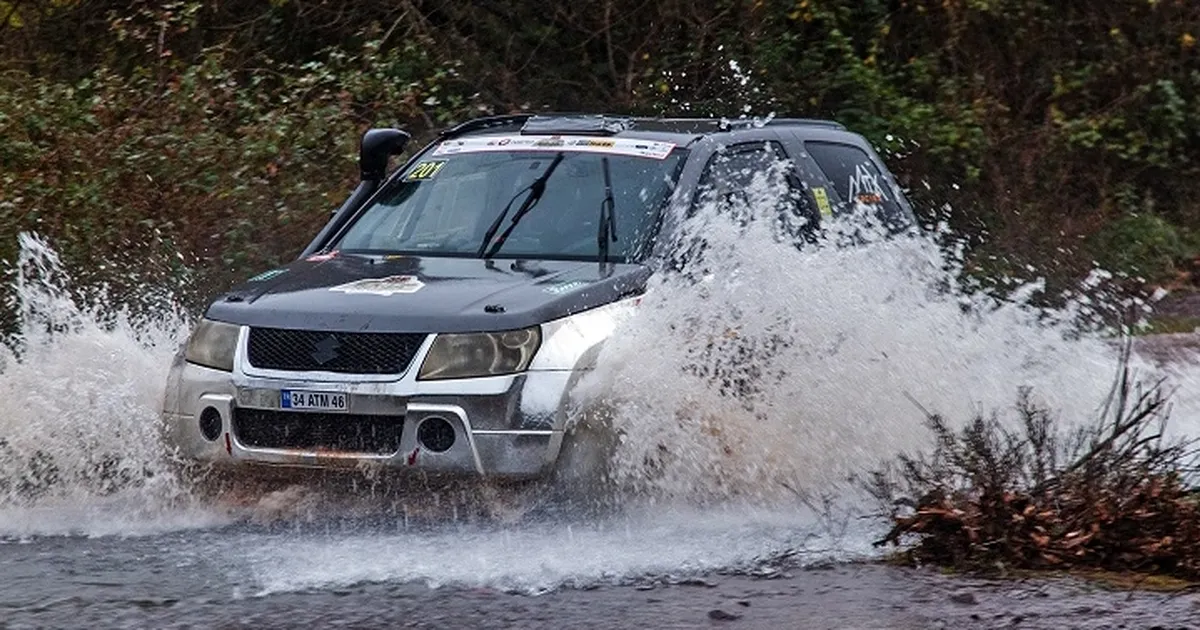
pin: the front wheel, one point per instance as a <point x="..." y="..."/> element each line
<point x="582" y="477"/>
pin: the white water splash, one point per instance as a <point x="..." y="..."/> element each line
<point x="540" y="556"/>
<point x="868" y="326"/>
<point x="80" y="394"/>
<point x="775" y="371"/>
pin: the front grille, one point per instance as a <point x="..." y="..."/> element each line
<point x="343" y="432"/>
<point x="347" y="352"/>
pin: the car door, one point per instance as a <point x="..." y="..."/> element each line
<point x="851" y="180"/>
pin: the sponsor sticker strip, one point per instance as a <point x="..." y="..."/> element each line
<point x="614" y="146"/>
<point x="822" y="201"/>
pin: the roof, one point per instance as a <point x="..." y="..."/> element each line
<point x="610" y="125"/>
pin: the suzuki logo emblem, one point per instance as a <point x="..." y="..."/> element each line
<point x="325" y="350"/>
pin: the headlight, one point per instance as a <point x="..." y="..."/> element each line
<point x="212" y="345"/>
<point x="480" y="354"/>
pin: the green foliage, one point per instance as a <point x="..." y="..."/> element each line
<point x="1144" y="244"/>
<point x="1060" y="133"/>
<point x="236" y="169"/>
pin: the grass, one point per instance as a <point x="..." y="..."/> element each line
<point x="1171" y="324"/>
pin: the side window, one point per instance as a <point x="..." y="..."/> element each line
<point x="856" y="178"/>
<point x="732" y="180"/>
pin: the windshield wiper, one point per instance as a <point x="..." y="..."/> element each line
<point x="608" y="218"/>
<point x="536" y="188"/>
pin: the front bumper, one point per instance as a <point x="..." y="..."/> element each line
<point x="504" y="426"/>
<point x="507" y="427"/>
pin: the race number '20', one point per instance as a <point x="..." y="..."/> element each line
<point x="425" y="170"/>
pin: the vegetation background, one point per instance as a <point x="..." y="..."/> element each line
<point x="209" y="139"/>
<point x="218" y="134"/>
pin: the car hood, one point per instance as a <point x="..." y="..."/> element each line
<point x="423" y="294"/>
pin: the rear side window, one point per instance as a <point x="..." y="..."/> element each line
<point x="729" y="178"/>
<point x="734" y="169"/>
<point x="856" y="178"/>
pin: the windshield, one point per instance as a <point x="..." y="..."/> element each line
<point x="446" y="203"/>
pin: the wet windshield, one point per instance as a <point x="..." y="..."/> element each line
<point x="446" y="203"/>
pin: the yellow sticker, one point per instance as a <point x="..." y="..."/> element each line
<point x="822" y="201"/>
<point x="425" y="170"/>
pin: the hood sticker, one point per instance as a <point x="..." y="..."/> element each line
<point x="612" y="146"/>
<point x="267" y="275"/>
<point x="322" y="257"/>
<point x="390" y="285"/>
<point x="565" y="287"/>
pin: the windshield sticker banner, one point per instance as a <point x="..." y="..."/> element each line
<point x="390" y="285"/>
<point x="611" y="146"/>
<point x="425" y="170"/>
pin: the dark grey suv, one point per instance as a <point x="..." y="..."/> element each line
<point x="440" y="319"/>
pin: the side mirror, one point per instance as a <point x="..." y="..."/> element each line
<point x="377" y="146"/>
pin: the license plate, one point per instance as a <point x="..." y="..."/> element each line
<point x="303" y="399"/>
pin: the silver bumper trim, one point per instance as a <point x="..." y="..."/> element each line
<point x="454" y="410"/>
<point x="518" y="432"/>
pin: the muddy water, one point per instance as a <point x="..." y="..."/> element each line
<point x="95" y="531"/>
<point x="199" y="580"/>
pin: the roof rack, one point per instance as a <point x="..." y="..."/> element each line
<point x="577" y="124"/>
<point x="783" y="122"/>
<point x="603" y="124"/>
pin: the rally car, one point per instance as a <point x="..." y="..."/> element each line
<point x="440" y="319"/>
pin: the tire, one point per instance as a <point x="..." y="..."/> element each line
<point x="582" y="474"/>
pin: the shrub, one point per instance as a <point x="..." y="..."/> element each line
<point x="226" y="129"/>
<point x="1116" y="494"/>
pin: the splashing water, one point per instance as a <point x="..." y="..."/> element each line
<point x="777" y="371"/>
<point x="541" y="556"/>
<point x="80" y="393"/>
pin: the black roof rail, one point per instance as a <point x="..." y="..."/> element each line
<point x="476" y="124"/>
<point x="785" y="122"/>
<point x="697" y="125"/>
<point x="677" y="125"/>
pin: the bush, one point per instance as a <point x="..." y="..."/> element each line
<point x="1144" y="244"/>
<point x="1115" y="495"/>
<point x="227" y="129"/>
<point x="211" y="168"/>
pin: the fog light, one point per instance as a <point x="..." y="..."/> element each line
<point x="210" y="423"/>
<point x="435" y="434"/>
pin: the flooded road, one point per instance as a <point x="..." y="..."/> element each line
<point x="208" y="580"/>
<point x="95" y="531"/>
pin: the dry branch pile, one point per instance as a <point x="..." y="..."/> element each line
<point x="1117" y="494"/>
